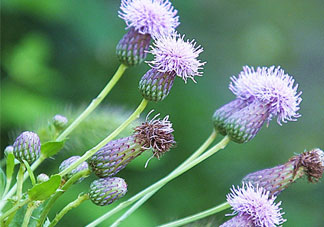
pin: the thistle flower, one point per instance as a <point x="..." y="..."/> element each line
<point x="253" y="207"/>
<point x="66" y="163"/>
<point x="144" y="19"/>
<point x="278" y="178"/>
<point x="261" y="95"/>
<point x="105" y="191"/>
<point x="60" y="122"/>
<point x="173" y="56"/>
<point x="27" y="147"/>
<point x="115" y="155"/>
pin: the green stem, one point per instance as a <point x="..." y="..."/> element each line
<point x="58" y="193"/>
<point x="95" y="102"/>
<point x="68" y="207"/>
<point x="14" y="188"/>
<point x="198" y="216"/>
<point x="93" y="150"/>
<point x="13" y="209"/>
<point x="30" y="208"/>
<point x="156" y="186"/>
<point x="20" y="181"/>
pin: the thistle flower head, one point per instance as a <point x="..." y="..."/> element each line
<point x="105" y="191"/>
<point x="172" y="54"/>
<point x="27" y="147"/>
<point x="155" y="134"/>
<point x="66" y="163"/>
<point x="255" y="204"/>
<point x="154" y="17"/>
<point x="271" y="87"/>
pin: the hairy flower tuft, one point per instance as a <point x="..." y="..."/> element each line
<point x="156" y="134"/>
<point x="172" y="54"/>
<point x="255" y="204"/>
<point x="271" y="87"/>
<point x="154" y="17"/>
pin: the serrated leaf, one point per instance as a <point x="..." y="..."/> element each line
<point x="10" y="165"/>
<point x="44" y="190"/>
<point x="30" y="172"/>
<point x="2" y="181"/>
<point x="51" y="148"/>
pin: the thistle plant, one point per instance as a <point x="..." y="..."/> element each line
<point x="262" y="94"/>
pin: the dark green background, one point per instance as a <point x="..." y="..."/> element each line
<point x="57" y="55"/>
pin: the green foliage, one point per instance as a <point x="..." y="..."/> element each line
<point x="30" y="172"/>
<point x="2" y="181"/>
<point x="45" y="189"/>
<point x="10" y="165"/>
<point x="19" y="217"/>
<point x="51" y="148"/>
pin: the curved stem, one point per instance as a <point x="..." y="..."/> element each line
<point x="68" y="207"/>
<point x="95" y="102"/>
<point x="58" y="193"/>
<point x="92" y="151"/>
<point x="156" y="186"/>
<point x="198" y="216"/>
<point x="30" y="208"/>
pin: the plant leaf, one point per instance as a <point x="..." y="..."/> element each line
<point x="2" y="181"/>
<point x="30" y="172"/>
<point x="10" y="165"/>
<point x="45" y="189"/>
<point x="51" y="148"/>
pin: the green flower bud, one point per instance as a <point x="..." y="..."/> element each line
<point x="60" y="122"/>
<point x="42" y="178"/>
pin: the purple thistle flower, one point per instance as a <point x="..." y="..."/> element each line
<point x="278" y="178"/>
<point x="254" y="207"/>
<point x="66" y="163"/>
<point x="105" y="191"/>
<point x="27" y="147"/>
<point x="260" y="95"/>
<point x="153" y="17"/>
<point x="155" y="134"/>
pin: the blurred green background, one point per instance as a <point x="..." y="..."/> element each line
<point x="57" y="55"/>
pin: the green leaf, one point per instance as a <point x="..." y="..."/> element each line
<point x="30" y="172"/>
<point x="10" y="165"/>
<point x="44" y="190"/>
<point x="2" y="181"/>
<point x="19" y="217"/>
<point x="50" y="148"/>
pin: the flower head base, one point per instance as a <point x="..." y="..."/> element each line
<point x="105" y="191"/>
<point x="271" y="87"/>
<point x="66" y="163"/>
<point x="261" y="95"/>
<point x="115" y="155"/>
<point x="172" y="54"/>
<point x="254" y="204"/>
<point x="27" y="147"/>
<point x="132" y="48"/>
<point x="278" y="178"/>
<point x="153" y="17"/>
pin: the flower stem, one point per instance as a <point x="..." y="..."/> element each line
<point x="13" y="209"/>
<point x="198" y="216"/>
<point x="95" y="102"/>
<point x="30" y="208"/>
<point x="58" y="193"/>
<point x="68" y="207"/>
<point x="93" y="150"/>
<point x="20" y="181"/>
<point x="156" y="186"/>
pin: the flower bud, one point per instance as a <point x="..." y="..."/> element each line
<point x="42" y="178"/>
<point x="132" y="48"/>
<point x="60" y="122"/>
<point x="66" y="163"/>
<point x="27" y="147"/>
<point x="105" y="191"/>
<point x="278" y="178"/>
<point x="115" y="155"/>
<point x="8" y="149"/>
<point x="155" y="85"/>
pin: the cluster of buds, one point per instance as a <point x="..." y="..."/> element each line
<point x="155" y="134"/>
<point x="261" y="94"/>
<point x="278" y="178"/>
<point x="27" y="147"/>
